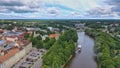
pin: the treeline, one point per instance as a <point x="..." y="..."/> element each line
<point x="107" y="49"/>
<point x="60" y="52"/>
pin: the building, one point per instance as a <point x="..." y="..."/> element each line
<point x="28" y="47"/>
<point x="8" y="59"/>
<point x="53" y="29"/>
<point x="14" y="55"/>
<point x="50" y="28"/>
<point x="56" y="36"/>
<point x="33" y="29"/>
<point x="2" y="43"/>
<point x="12" y="38"/>
<point x="79" y="25"/>
<point x="44" y="37"/>
<point x="13" y="47"/>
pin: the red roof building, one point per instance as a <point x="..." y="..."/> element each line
<point x="56" y="36"/>
<point x="9" y="54"/>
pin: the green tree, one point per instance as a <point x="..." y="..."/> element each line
<point x="107" y="64"/>
<point x="27" y="36"/>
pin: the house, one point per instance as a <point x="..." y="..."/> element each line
<point x="1" y="36"/>
<point x="11" y="45"/>
<point x="44" y="31"/>
<point x="2" y="44"/>
<point x="56" y="36"/>
<point x="79" y="25"/>
<point x="56" y="29"/>
<point x="53" y="29"/>
<point x="11" y="33"/>
<point x="50" y="28"/>
<point x="33" y="29"/>
<point x="12" y="38"/>
<point x="44" y="37"/>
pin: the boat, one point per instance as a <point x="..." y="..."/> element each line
<point x="79" y="48"/>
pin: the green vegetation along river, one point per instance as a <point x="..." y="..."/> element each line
<point x="85" y="59"/>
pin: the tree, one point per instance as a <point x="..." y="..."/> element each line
<point x="46" y="40"/>
<point x="49" y="43"/>
<point x="117" y="61"/>
<point x="45" y="66"/>
<point x="27" y="36"/>
<point x="39" y="37"/>
<point x="33" y="40"/>
<point x="107" y="64"/>
<point x="39" y="44"/>
<point x="60" y="50"/>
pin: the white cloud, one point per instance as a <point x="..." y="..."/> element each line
<point x="59" y="8"/>
<point x="76" y="4"/>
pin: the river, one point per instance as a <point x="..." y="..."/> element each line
<point x="85" y="59"/>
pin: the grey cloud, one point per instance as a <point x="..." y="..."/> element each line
<point x="110" y="9"/>
<point x="21" y="6"/>
<point x="16" y="9"/>
<point x="102" y="12"/>
<point x="53" y="11"/>
<point x="115" y="3"/>
<point x="21" y="10"/>
<point x="10" y="3"/>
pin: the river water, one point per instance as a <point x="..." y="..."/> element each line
<point x="85" y="59"/>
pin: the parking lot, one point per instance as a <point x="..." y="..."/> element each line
<point x="31" y="60"/>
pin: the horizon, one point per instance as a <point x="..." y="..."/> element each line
<point x="63" y="19"/>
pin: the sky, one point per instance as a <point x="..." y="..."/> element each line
<point x="59" y="9"/>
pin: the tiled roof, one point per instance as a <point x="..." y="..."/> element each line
<point x="11" y="36"/>
<point x="9" y="54"/>
<point x="25" y="42"/>
<point x="2" y="42"/>
<point x="8" y="42"/>
<point x="53" y="35"/>
<point x="22" y="34"/>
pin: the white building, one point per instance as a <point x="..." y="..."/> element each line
<point x="12" y="38"/>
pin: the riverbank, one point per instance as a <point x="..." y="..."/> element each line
<point x="85" y="59"/>
<point x="106" y="49"/>
<point x="69" y="57"/>
<point x="67" y="61"/>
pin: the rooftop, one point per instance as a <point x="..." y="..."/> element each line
<point x="2" y="42"/>
<point x="9" y="54"/>
<point x="10" y="33"/>
<point x="53" y="35"/>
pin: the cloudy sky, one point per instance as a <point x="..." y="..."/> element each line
<point x="59" y="9"/>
